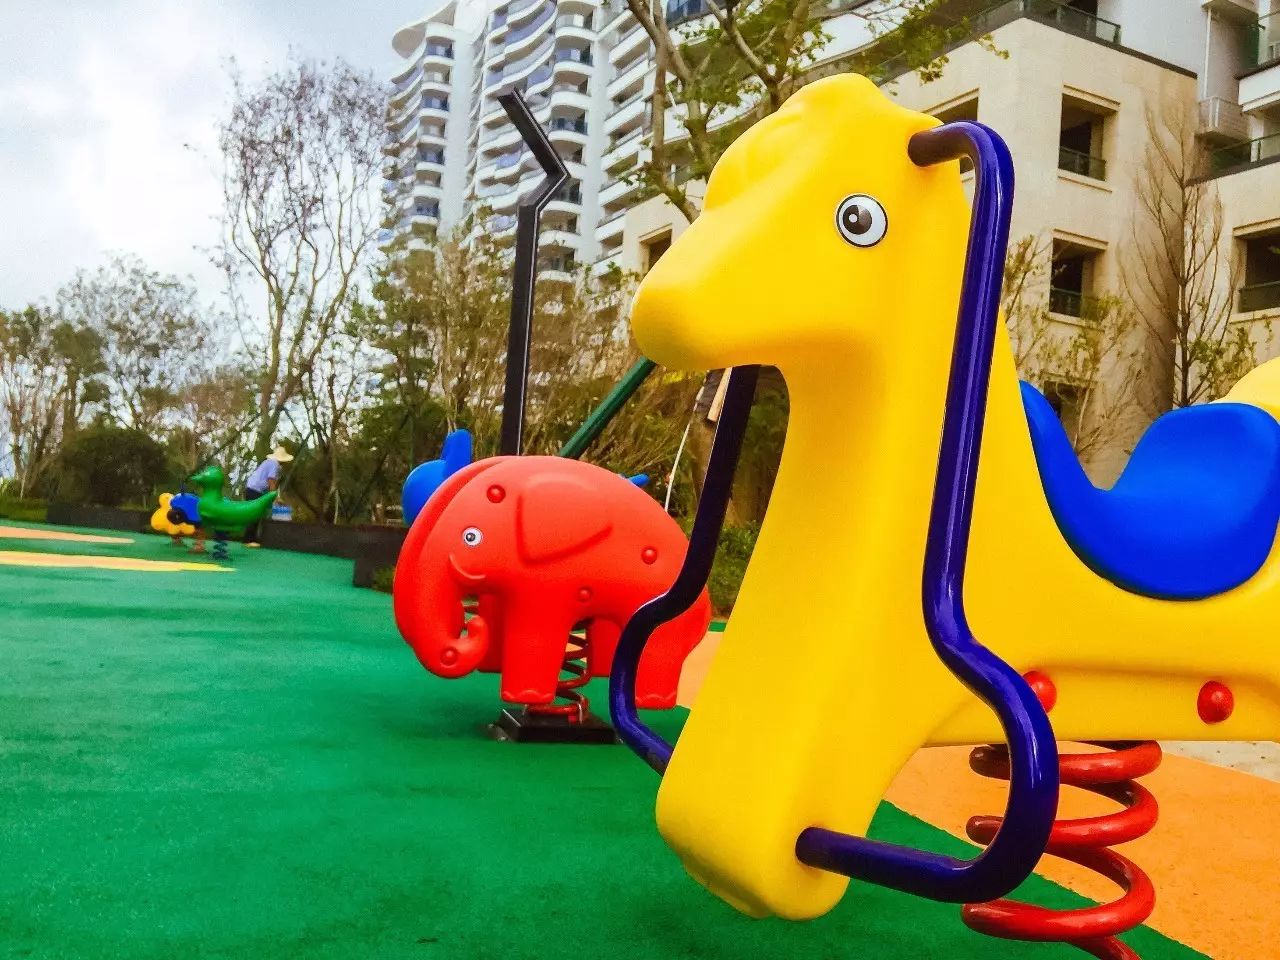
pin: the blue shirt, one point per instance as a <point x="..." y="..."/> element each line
<point x="267" y="471"/>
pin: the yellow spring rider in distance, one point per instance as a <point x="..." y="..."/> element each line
<point x="832" y="245"/>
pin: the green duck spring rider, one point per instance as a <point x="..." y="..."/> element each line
<point x="214" y="512"/>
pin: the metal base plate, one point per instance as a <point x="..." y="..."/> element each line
<point x="515" y="723"/>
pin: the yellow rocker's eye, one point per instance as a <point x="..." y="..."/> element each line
<point x="862" y="220"/>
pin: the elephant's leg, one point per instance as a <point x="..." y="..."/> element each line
<point x="490" y="608"/>
<point x="535" y="637"/>
<point x="602" y="641"/>
<point x="658" y="675"/>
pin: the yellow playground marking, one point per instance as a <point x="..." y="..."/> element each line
<point x="26" y="533"/>
<point x="23" y="558"/>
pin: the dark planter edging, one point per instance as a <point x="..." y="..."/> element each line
<point x="104" y="518"/>
<point x="371" y="547"/>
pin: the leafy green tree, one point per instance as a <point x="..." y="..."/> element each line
<point x="47" y="371"/>
<point x="109" y="465"/>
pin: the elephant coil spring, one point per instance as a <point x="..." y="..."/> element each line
<point x="576" y="705"/>
<point x="1087" y="842"/>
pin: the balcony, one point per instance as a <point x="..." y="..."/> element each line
<point x="1071" y="20"/>
<point x="1260" y="81"/>
<point x="1242" y="156"/>
<point x="1260" y="296"/>
<point x="627" y="42"/>
<point x="572" y="55"/>
<point x="443" y="51"/>
<point x="575" y="22"/>
<point x="569" y="194"/>
<point x="1071" y="303"/>
<point x="1082" y="164"/>
<point x="578" y="125"/>
<point x="528" y="30"/>
<point x="1222" y="121"/>
<point x="1262" y="43"/>
<point x="678" y="11"/>
<point x="611" y="227"/>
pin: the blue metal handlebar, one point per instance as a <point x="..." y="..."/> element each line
<point x="703" y="540"/>
<point x="1033" y="787"/>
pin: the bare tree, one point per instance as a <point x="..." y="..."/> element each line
<point x="152" y="332"/>
<point x="1182" y="277"/>
<point x="1101" y="359"/>
<point x="301" y="153"/>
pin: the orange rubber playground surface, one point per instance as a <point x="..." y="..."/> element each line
<point x="1214" y="856"/>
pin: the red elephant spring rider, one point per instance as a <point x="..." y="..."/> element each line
<point x="544" y="544"/>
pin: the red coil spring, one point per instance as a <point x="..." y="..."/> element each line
<point x="1086" y="842"/>
<point x="576" y="704"/>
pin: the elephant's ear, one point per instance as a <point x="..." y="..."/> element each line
<point x="558" y="515"/>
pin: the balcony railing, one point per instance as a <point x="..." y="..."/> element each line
<point x="1070" y="303"/>
<point x="444" y="50"/>
<point x="1050" y="12"/>
<point x="679" y="11"/>
<point x="1241" y="156"/>
<point x="574" y="20"/>
<point x="564" y="123"/>
<point x="431" y="156"/>
<point x="529" y="29"/>
<point x="573" y="55"/>
<point x="1083" y="164"/>
<point x="1075" y="21"/>
<point x="1262" y="41"/>
<point x="435" y="103"/>
<point x="1259" y="296"/>
<point x="570" y="194"/>
<point x="508" y="159"/>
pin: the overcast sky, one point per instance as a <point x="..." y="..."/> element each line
<point x="107" y="115"/>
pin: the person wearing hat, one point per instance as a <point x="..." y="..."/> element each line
<point x="264" y="479"/>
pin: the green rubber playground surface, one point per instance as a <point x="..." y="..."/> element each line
<point x="254" y="765"/>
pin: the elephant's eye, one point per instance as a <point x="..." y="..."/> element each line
<point x="862" y="220"/>
<point x="472" y="536"/>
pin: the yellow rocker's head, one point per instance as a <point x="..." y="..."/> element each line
<point x="790" y="260"/>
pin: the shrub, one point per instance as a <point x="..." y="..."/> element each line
<point x="730" y="565"/>
<point x="108" y="465"/>
<point x="383" y="577"/>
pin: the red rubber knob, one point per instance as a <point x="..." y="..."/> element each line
<point x="1044" y="689"/>
<point x="1216" y="702"/>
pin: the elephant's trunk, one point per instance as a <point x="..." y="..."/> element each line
<point x="429" y="613"/>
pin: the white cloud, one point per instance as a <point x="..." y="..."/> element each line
<point x="108" y="113"/>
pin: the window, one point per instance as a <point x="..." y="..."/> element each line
<point x="1081" y="139"/>
<point x="654" y="249"/>
<point x="1067" y="401"/>
<point x="1071" y="280"/>
<point x="954" y="113"/>
<point x="1261" y="289"/>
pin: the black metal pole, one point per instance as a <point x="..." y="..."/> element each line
<point x="525" y="269"/>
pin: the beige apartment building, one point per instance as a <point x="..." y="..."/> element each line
<point x="1077" y="98"/>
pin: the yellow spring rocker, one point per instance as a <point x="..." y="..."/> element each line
<point x="977" y="588"/>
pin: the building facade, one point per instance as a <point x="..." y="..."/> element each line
<point x="1078" y="90"/>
